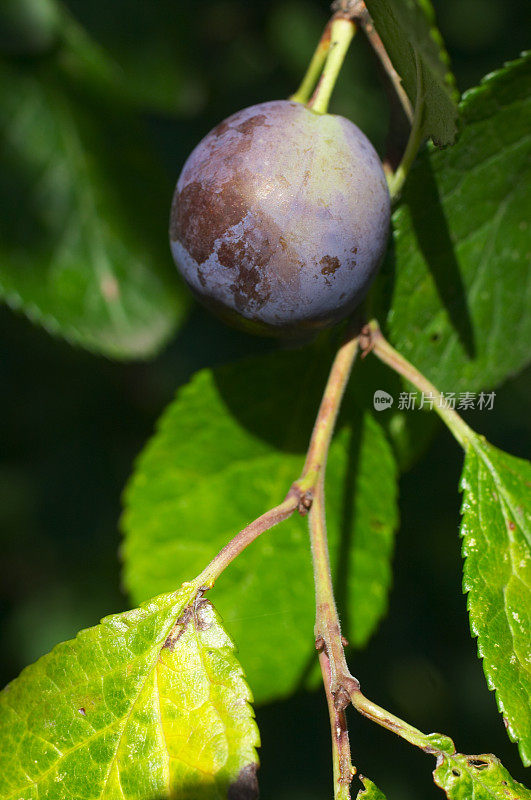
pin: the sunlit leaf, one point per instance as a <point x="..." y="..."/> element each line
<point x="456" y="277"/>
<point x="227" y="450"/>
<point x="477" y="778"/>
<point x="496" y="532"/>
<point x="149" y="705"/>
<point x="370" y="791"/>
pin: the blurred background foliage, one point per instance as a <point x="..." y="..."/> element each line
<point x="72" y="423"/>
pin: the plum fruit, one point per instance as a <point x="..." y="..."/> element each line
<point x="280" y="219"/>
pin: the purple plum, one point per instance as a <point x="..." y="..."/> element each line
<point x="280" y="219"/>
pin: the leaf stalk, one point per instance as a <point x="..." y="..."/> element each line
<point x="386" y="353"/>
<point x="397" y="179"/>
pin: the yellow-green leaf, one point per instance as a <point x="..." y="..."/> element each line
<point x="370" y="791"/>
<point x="477" y="778"/>
<point x="149" y="705"/>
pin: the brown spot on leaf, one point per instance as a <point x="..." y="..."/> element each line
<point x="192" y="613"/>
<point x="200" y="620"/>
<point x="511" y="525"/>
<point x="82" y="712"/>
<point x="329" y="264"/>
<point x="246" y="785"/>
<point x="478" y="763"/>
<point x="178" y="629"/>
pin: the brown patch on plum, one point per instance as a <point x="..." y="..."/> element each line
<point x="329" y="264"/>
<point x="250" y="256"/>
<point x="246" y="785"/>
<point x="287" y="266"/>
<point x="200" y="216"/>
<point x="248" y="125"/>
<point x="220" y="129"/>
<point x="248" y="259"/>
<point x="245" y="288"/>
<point x="227" y="255"/>
<point x="203" y="210"/>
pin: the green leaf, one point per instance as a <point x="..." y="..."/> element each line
<point x="149" y="704"/>
<point x="496" y="532"/>
<point x="457" y="274"/>
<point x="83" y="223"/>
<point x="370" y="791"/>
<point x="227" y="450"/>
<point x="477" y="778"/>
<point x="416" y="49"/>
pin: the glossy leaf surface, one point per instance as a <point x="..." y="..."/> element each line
<point x="227" y="450"/>
<point x="456" y="278"/>
<point x="496" y="532"/>
<point x="370" y="791"/>
<point x="477" y="778"/>
<point x="416" y="50"/>
<point x="149" y="704"/>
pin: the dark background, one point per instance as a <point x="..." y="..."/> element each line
<point x="72" y="423"/>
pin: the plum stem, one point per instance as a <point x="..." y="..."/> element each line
<point x="315" y="67"/>
<point x="342" y="30"/>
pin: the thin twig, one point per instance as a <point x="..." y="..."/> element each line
<point x="394" y="724"/>
<point x="338" y="682"/>
<point x="341" y="687"/>
<point x="244" y="538"/>
<point x="300" y="494"/>
<point x="330" y="404"/>
<point x="361" y="16"/>
<point x="396" y="181"/>
<point x="344" y="771"/>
